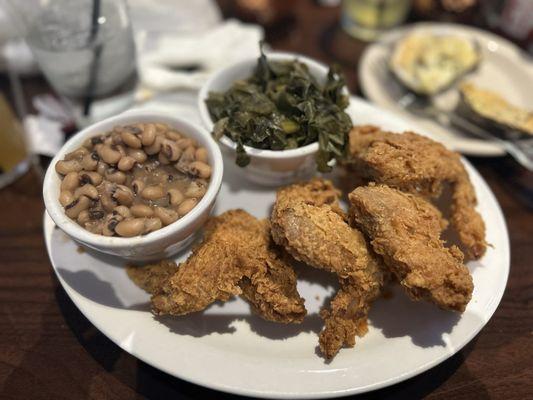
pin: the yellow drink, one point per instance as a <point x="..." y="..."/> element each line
<point x="13" y="153"/>
<point x="366" y="19"/>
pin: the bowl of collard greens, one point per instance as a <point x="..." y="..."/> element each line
<point x="280" y="116"/>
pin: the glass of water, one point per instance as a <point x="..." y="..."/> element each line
<point x="85" y="49"/>
<point x="367" y="19"/>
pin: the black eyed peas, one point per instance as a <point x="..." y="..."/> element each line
<point x="200" y="169"/>
<point x="142" y="210"/>
<point x="66" y="197"/>
<point x="166" y="215"/>
<point x="94" y="178"/>
<point x="201" y="155"/>
<point x="187" y="206"/>
<point x="153" y="192"/>
<point x="148" y="135"/>
<point x="130" y="227"/>
<point x="71" y="181"/>
<point x="126" y="163"/>
<point x="89" y="162"/>
<point x="133" y="180"/>
<point x="87" y="190"/>
<point x="66" y="166"/>
<point x="74" y="208"/>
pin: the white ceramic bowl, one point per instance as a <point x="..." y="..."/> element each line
<point x="267" y="167"/>
<point x="158" y="244"/>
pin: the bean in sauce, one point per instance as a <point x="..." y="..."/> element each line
<point x="133" y="180"/>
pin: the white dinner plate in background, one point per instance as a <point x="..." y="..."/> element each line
<point x="504" y="68"/>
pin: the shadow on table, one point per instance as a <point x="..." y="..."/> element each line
<point x="152" y="383"/>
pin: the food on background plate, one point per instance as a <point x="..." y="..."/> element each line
<point x="428" y="63"/>
<point x="492" y="110"/>
<point x="419" y="165"/>
<point x="308" y="222"/>
<point x="236" y="257"/>
<point x="133" y="180"/>
<point x="405" y="230"/>
<point x="282" y="106"/>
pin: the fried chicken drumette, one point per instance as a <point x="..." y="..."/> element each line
<point x="236" y="257"/>
<point x="421" y="166"/>
<point x="309" y="223"/>
<point x="405" y="230"/>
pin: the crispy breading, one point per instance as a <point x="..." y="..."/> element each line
<point x="316" y="192"/>
<point x="421" y="166"/>
<point x="309" y="223"/>
<point x="405" y="230"/>
<point x="152" y="277"/>
<point x="236" y="257"/>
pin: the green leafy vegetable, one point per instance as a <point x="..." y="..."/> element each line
<point x="282" y="106"/>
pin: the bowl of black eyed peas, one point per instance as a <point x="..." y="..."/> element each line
<point x="138" y="185"/>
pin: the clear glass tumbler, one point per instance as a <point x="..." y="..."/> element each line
<point x="85" y="49"/>
<point x="367" y="19"/>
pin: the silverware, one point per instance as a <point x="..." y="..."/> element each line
<point x="520" y="148"/>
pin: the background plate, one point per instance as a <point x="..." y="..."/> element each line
<point x="229" y="349"/>
<point x="504" y="68"/>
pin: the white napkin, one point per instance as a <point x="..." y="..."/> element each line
<point x="225" y="44"/>
<point x="43" y="135"/>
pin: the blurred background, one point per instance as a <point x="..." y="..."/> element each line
<point x="65" y="64"/>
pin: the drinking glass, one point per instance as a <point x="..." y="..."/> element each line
<point x="14" y="157"/>
<point x="85" y="49"/>
<point x="367" y="19"/>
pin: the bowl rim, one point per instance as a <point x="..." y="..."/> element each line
<point x="71" y="228"/>
<point x="252" y="151"/>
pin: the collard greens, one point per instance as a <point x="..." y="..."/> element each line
<point x="281" y="106"/>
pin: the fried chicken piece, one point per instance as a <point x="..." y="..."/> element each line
<point x="405" y="230"/>
<point x="419" y="165"/>
<point x="309" y="223"/>
<point x="152" y="277"/>
<point x="236" y="257"/>
<point x="316" y="192"/>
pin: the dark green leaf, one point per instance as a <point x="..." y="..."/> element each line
<point x="242" y="159"/>
<point x="282" y="106"/>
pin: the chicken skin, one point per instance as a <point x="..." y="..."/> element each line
<point x="421" y="166"/>
<point x="405" y="230"/>
<point x="236" y="257"/>
<point x="309" y="223"/>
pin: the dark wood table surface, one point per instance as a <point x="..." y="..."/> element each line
<point x="49" y="350"/>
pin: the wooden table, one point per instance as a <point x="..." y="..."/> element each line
<point x="49" y="350"/>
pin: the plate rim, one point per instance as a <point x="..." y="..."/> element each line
<point x="77" y="298"/>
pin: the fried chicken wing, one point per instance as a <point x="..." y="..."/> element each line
<point x="309" y="223"/>
<point x="405" y="230"/>
<point x="236" y="257"/>
<point x="152" y="277"/>
<point x="419" y="165"/>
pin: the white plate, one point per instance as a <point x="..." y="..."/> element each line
<point x="228" y="349"/>
<point x="504" y="68"/>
